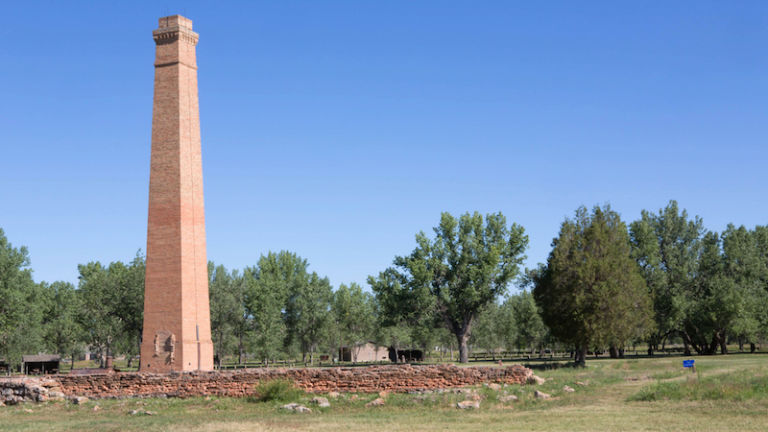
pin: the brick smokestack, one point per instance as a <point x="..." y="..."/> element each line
<point x="177" y="324"/>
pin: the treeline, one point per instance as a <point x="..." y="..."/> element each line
<point x="606" y="285"/>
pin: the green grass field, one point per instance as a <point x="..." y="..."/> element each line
<point x="725" y="393"/>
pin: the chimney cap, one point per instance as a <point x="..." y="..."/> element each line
<point x="175" y="21"/>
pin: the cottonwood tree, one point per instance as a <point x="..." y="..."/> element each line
<point x="308" y="313"/>
<point x="112" y="300"/>
<point x="592" y="292"/>
<point x="21" y="304"/>
<point x="353" y="312"/>
<point x="227" y="309"/>
<point x="529" y="329"/>
<point x="729" y="297"/>
<point x="667" y="246"/>
<point x="266" y="293"/>
<point x="744" y="254"/>
<point x="455" y="275"/>
<point x="63" y="333"/>
<point x="488" y="331"/>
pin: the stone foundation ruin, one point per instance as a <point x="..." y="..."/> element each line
<point x="370" y="379"/>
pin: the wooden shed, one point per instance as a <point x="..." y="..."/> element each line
<point x="40" y="364"/>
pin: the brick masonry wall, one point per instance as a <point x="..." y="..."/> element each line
<point x="371" y="379"/>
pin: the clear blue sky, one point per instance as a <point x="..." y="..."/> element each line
<point x="338" y="130"/>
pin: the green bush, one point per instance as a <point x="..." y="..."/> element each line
<point x="281" y="390"/>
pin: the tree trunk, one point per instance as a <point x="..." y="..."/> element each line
<point x="723" y="345"/>
<point x="752" y="347"/>
<point x="462" y="339"/>
<point x="686" y="343"/>
<point x="580" y="356"/>
<point x="241" y="350"/>
<point x="613" y="351"/>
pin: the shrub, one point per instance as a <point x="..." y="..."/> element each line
<point x="281" y="390"/>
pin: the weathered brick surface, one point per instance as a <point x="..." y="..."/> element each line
<point x="394" y="378"/>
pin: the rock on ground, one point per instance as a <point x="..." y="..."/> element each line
<point x="56" y="395"/>
<point x="297" y="407"/>
<point x="79" y="400"/>
<point x="568" y="389"/>
<point x="468" y="404"/>
<point x="534" y="379"/>
<point x="376" y="402"/>
<point x="321" y="402"/>
<point x="507" y="398"/>
<point x="140" y="412"/>
<point x="541" y="395"/>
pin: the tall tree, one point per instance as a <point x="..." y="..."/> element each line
<point x="744" y="253"/>
<point x="112" y="300"/>
<point x="667" y="245"/>
<point x="62" y="331"/>
<point x="100" y="326"/>
<point x="308" y="313"/>
<point x="488" y="333"/>
<point x="21" y="304"/>
<point x="454" y="276"/>
<point x="268" y="288"/>
<point x="591" y="291"/>
<point x="227" y="309"/>
<point x="729" y="296"/>
<point x="128" y="300"/>
<point x="530" y="331"/>
<point x="353" y="314"/>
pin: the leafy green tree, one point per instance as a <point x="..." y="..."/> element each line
<point x="128" y="301"/>
<point x="112" y="300"/>
<point x="592" y="292"/>
<point x="21" y="304"/>
<point x="488" y="332"/>
<point x="714" y="301"/>
<point x="454" y="276"/>
<point x="667" y="246"/>
<point x="729" y="298"/>
<point x="308" y="313"/>
<point x="530" y="331"/>
<point x="744" y="253"/>
<point x="353" y="313"/>
<point x="62" y="331"/>
<point x="266" y="293"/>
<point x="227" y="309"/>
<point x="100" y="326"/>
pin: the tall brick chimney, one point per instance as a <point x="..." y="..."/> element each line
<point x="177" y="324"/>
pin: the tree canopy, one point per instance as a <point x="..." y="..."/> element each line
<point x="455" y="275"/>
<point x="591" y="291"/>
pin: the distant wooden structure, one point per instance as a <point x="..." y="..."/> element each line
<point x="406" y="355"/>
<point x="40" y="364"/>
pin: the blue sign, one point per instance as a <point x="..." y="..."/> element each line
<point x="688" y="363"/>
